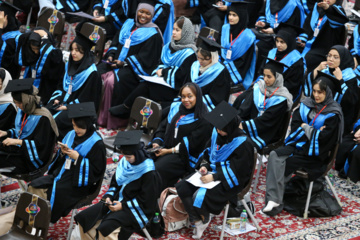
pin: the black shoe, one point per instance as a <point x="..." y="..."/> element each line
<point x="120" y="111"/>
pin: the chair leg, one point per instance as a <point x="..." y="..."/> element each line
<point x="147" y="233"/>
<point x="0" y="189"/>
<point x="258" y="228"/>
<point x="74" y="212"/>
<point x="224" y="221"/>
<point x="259" y="165"/>
<point x="333" y="190"/>
<point x="308" y="200"/>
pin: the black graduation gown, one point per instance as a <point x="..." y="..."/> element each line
<point x="263" y="129"/>
<point x="74" y="5"/>
<point x="147" y="54"/>
<point x="240" y="162"/>
<point x="315" y="166"/>
<point x="90" y="91"/>
<point x="34" y="147"/>
<point x="67" y="192"/>
<point x="329" y="35"/>
<point x="144" y="190"/>
<point x="7" y="118"/>
<point x="8" y="58"/>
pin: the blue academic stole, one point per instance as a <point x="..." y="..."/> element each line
<point x="31" y="123"/>
<point x="206" y="77"/>
<point x="187" y="119"/>
<point x="284" y="14"/>
<point x="259" y="100"/>
<point x="170" y="23"/>
<point x="5" y="37"/>
<point x="288" y="60"/>
<point x="174" y="59"/>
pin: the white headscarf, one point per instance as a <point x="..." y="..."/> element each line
<point x="6" y="97"/>
<point x="214" y="60"/>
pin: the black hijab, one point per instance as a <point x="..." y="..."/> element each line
<point x="13" y="24"/>
<point x="288" y="35"/>
<point x="76" y="67"/>
<point x="89" y="122"/>
<point x="232" y="129"/>
<point x="277" y="5"/>
<point x="346" y="60"/>
<point x="243" y="15"/>
<point x="140" y="155"/>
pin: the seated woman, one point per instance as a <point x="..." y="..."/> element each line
<point x="230" y="160"/>
<point x="324" y="27"/>
<point x="25" y="147"/>
<point x="131" y="200"/>
<point x="77" y="166"/>
<point x="212" y="76"/>
<point x="315" y="129"/>
<point x="35" y="50"/>
<point x="176" y="60"/>
<point x="264" y="109"/>
<point x="65" y="5"/>
<point x="286" y="53"/>
<point x="182" y="136"/>
<point x="340" y="65"/>
<point x="238" y="43"/>
<point x="354" y="48"/>
<point x="81" y="83"/>
<point x="7" y="107"/>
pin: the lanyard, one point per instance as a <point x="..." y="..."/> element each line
<point x="132" y="32"/>
<point x="22" y="125"/>
<point x="319" y="22"/>
<point x="231" y="41"/>
<point x="179" y="120"/>
<point x="318" y="115"/>
<point x="276" y="17"/>
<point x="280" y="59"/>
<point x="269" y="97"/>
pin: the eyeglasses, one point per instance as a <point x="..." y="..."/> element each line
<point x="203" y="59"/>
<point x="333" y="56"/>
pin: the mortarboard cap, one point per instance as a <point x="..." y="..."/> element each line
<point x="288" y="31"/>
<point x="332" y="82"/>
<point x="275" y="65"/>
<point x="20" y="85"/>
<point x="209" y="45"/>
<point x="86" y="109"/>
<point x="238" y="6"/>
<point x="128" y="141"/>
<point x="84" y="41"/>
<point x="222" y="115"/>
<point x="8" y="8"/>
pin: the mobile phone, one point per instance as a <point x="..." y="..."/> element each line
<point x="155" y="149"/>
<point x="110" y="63"/>
<point x="106" y="204"/>
<point x="62" y="144"/>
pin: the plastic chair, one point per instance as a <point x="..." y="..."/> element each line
<point x="304" y="174"/>
<point x="241" y="196"/>
<point x="32" y="212"/>
<point x="84" y="202"/>
<point x="52" y="20"/>
<point x="270" y="147"/>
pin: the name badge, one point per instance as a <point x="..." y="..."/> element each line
<point x="33" y="73"/>
<point x="176" y="132"/>
<point x="316" y="32"/>
<point x="261" y="112"/>
<point x="127" y="43"/>
<point x="70" y="89"/>
<point x="276" y="25"/>
<point x="68" y="164"/>
<point x="228" y="54"/>
<point x="106" y="4"/>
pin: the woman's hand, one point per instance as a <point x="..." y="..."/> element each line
<point x="12" y="142"/>
<point x="61" y="108"/>
<point x="96" y="13"/>
<point x="41" y="32"/>
<point x="260" y="24"/>
<point x="163" y="152"/>
<point x="56" y="102"/>
<point x="203" y="171"/>
<point x="240" y="126"/>
<point x="221" y="5"/>
<point x="337" y="73"/>
<point x="110" y="59"/>
<point x="303" y="125"/>
<point x="3" y="19"/>
<point x="322" y="128"/>
<point x="268" y="30"/>
<point x="357" y="137"/>
<point x="117" y="64"/>
<point x="64" y="149"/>
<point x="355" y="63"/>
<point x="159" y="72"/>
<point x="321" y="67"/>
<point x="73" y="154"/>
<point x="155" y="145"/>
<point x="99" y="19"/>
<point x="116" y="207"/>
<point x="323" y="5"/>
<point x="207" y="178"/>
<point x="3" y="133"/>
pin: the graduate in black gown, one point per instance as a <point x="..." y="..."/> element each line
<point x="24" y="146"/>
<point x="354" y="47"/>
<point x="273" y="13"/>
<point x="7" y="106"/>
<point x="182" y="136"/>
<point x="81" y="83"/>
<point x="308" y="5"/>
<point x="286" y="53"/>
<point x="264" y="109"/>
<point x="76" y="167"/>
<point x="339" y="65"/>
<point x="131" y="201"/>
<point x="212" y="76"/>
<point x="176" y="60"/>
<point x="229" y="157"/>
<point x="238" y="42"/>
<point x="324" y="28"/>
<point x="316" y="127"/>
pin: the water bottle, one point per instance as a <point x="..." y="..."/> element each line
<point x="331" y="177"/>
<point x="27" y="29"/>
<point x="115" y="157"/>
<point x="156" y="226"/>
<point x="243" y="220"/>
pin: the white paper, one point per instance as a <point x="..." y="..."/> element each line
<point x="355" y="12"/>
<point x="214" y="5"/>
<point x="154" y="79"/>
<point x="234" y="232"/>
<point x="81" y="14"/>
<point x="195" y="180"/>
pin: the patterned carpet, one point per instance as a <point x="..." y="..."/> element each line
<point x="283" y="226"/>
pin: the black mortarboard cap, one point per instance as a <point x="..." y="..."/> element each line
<point x="222" y="115"/>
<point x="84" y="41"/>
<point x="209" y="45"/>
<point x="9" y="8"/>
<point x="333" y="83"/>
<point x="128" y="141"/>
<point x="288" y="30"/>
<point x="238" y="6"/>
<point x="20" y="85"/>
<point x="275" y="65"/>
<point x="85" y="109"/>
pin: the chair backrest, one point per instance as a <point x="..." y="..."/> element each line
<point x="331" y="158"/>
<point x="52" y="20"/>
<point x="89" y="198"/>
<point x="32" y="212"/>
<point x="208" y="33"/>
<point x="248" y="186"/>
<point x="145" y="115"/>
<point x="96" y="34"/>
